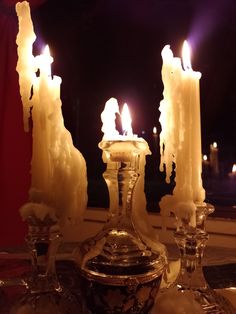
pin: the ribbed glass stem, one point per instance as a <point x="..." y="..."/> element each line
<point x="43" y="240"/>
<point x="191" y="246"/>
<point x="120" y="181"/>
<point x="44" y="294"/>
<point x="191" y="242"/>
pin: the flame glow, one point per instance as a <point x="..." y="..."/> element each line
<point x="186" y="56"/>
<point x="234" y="168"/>
<point x="205" y="157"/>
<point x="215" y="145"/>
<point x="43" y="62"/>
<point x="154" y="130"/>
<point x="46" y="51"/>
<point x="126" y="121"/>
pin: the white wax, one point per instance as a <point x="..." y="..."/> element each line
<point x="140" y="215"/>
<point x="108" y="117"/>
<point x="26" y="63"/>
<point x="181" y="137"/>
<point x="41" y="211"/>
<point x="59" y="175"/>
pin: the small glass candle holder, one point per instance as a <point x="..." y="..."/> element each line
<point x="190" y="287"/>
<point x="44" y="294"/>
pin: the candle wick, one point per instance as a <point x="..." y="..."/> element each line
<point x="125" y="133"/>
<point x="186" y="67"/>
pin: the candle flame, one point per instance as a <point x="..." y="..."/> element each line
<point x="126" y="121"/>
<point x="154" y="130"/>
<point x="234" y="168"/>
<point x="214" y="145"/>
<point x="186" y="52"/>
<point x="205" y="157"/>
<point x="47" y="55"/>
<point x="43" y="62"/>
<point x="46" y="51"/>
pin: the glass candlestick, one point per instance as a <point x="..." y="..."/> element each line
<point x="44" y="293"/>
<point x="120" y="272"/>
<point x="191" y="242"/>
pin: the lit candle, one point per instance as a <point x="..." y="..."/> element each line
<point x="205" y="161"/>
<point x="122" y="143"/>
<point x="123" y="146"/>
<point x="180" y="138"/>
<point x="232" y="174"/>
<point x="205" y="165"/>
<point x="58" y="169"/>
<point x="214" y="162"/>
<point x="43" y="63"/>
<point x="155" y="140"/>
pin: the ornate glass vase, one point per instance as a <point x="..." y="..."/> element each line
<point x="120" y="272"/>
<point x="190" y="281"/>
<point x="44" y="294"/>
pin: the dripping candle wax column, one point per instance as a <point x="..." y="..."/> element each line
<point x="59" y="179"/>
<point x="180" y="138"/>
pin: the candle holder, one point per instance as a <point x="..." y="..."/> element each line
<point x="120" y="272"/>
<point x="44" y="294"/>
<point x="190" y="281"/>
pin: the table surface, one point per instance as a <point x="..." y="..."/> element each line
<point x="219" y="270"/>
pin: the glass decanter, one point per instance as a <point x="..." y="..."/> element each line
<point x="120" y="272"/>
<point x="190" y="282"/>
<point x="44" y="294"/>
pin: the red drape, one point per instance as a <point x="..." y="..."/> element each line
<point x="15" y="144"/>
<point x="11" y="3"/>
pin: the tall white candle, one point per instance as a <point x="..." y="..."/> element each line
<point x="59" y="176"/>
<point x="180" y="138"/>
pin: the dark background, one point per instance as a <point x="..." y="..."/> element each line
<point x="112" y="48"/>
